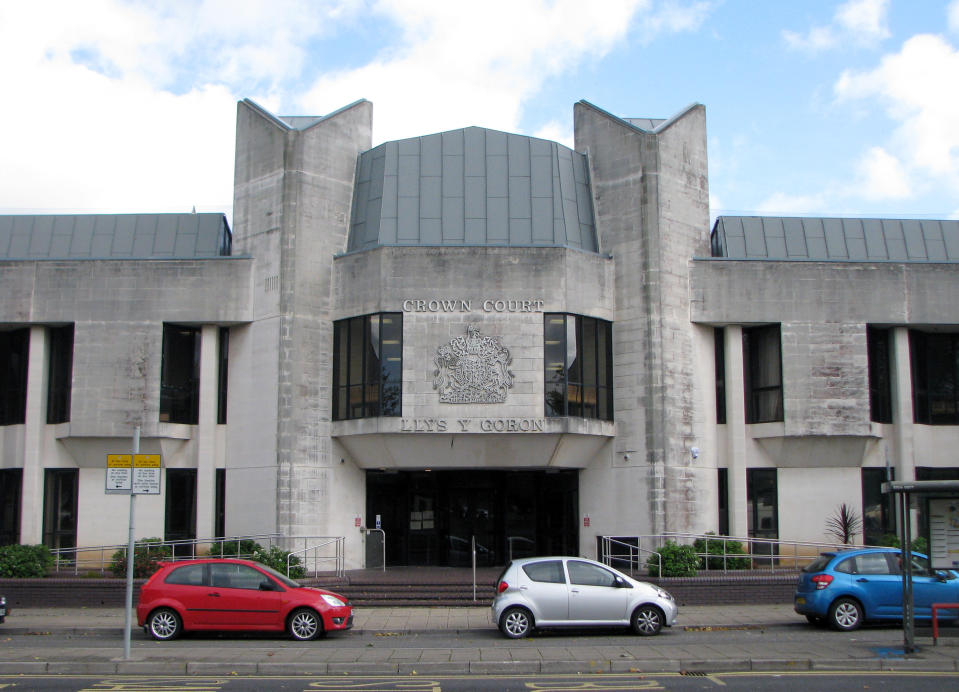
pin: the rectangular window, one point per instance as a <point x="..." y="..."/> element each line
<point x="222" y="373"/>
<point x="762" y="497"/>
<point x="723" y="501"/>
<point x="14" y="355"/>
<point x="60" y="374"/>
<point x="60" y="488"/>
<point x="762" y="370"/>
<point x="219" y="524"/>
<point x="880" y="375"/>
<point x="719" y="355"/>
<point x="11" y="485"/>
<point x="878" y="510"/>
<point x="180" y="517"/>
<point x="368" y="366"/>
<point x="180" y="375"/>
<point x="577" y="366"/>
<point x="935" y="377"/>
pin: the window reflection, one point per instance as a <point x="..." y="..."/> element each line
<point x="368" y="366"/>
<point x="577" y="363"/>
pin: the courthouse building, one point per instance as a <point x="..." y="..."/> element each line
<point x="472" y="336"/>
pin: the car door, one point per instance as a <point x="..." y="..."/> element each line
<point x="876" y="584"/>
<point x="240" y="602"/>
<point x="546" y="590"/>
<point x="930" y="587"/>
<point x="595" y="595"/>
<point x="188" y="585"/>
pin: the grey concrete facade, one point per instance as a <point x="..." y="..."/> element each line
<point x="623" y="237"/>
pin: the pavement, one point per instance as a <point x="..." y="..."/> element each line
<point x="434" y="641"/>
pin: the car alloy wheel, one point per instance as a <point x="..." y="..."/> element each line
<point x="304" y="625"/>
<point x="516" y="623"/>
<point x="845" y="614"/>
<point x="164" y="624"/>
<point x="647" y="620"/>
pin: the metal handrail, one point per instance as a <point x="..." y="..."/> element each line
<point x="337" y="558"/>
<point x="765" y="553"/>
<point x="99" y="558"/>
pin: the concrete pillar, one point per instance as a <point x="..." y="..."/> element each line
<point x="736" y="431"/>
<point x="31" y="501"/>
<point x="206" y="433"/>
<point x="904" y="459"/>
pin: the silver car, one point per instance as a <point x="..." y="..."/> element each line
<point x="576" y="592"/>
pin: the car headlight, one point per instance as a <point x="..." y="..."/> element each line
<point x="333" y="600"/>
<point x="665" y="595"/>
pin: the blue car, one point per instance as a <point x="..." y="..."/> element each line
<point x="846" y="588"/>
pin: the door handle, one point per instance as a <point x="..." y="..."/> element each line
<point x="575" y="590"/>
<point x="862" y="579"/>
<point x="214" y="595"/>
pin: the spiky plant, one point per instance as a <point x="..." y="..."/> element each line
<point x="844" y="524"/>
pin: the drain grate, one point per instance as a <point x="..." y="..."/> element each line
<point x="693" y="674"/>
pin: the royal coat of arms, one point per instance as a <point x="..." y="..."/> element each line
<point x="472" y="369"/>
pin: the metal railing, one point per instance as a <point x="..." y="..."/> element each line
<point x="733" y="553"/>
<point x="98" y="559"/>
<point x="318" y="554"/>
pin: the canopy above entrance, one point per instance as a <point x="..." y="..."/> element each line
<point x="505" y="450"/>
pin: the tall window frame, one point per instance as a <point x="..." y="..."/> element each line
<point x="222" y="373"/>
<point x="11" y="490"/>
<point x="577" y="366"/>
<point x="180" y="374"/>
<point x="719" y="357"/>
<point x="59" y="373"/>
<point x="879" y="351"/>
<point x="935" y="377"/>
<point x="368" y="366"/>
<point x="14" y="358"/>
<point x="179" y="523"/>
<point x="61" y="488"/>
<point x="762" y="372"/>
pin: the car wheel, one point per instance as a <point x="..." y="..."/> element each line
<point x="516" y="623"/>
<point x="164" y="624"/>
<point x="845" y="614"/>
<point x="304" y="625"/>
<point x="647" y="620"/>
<point x="817" y="620"/>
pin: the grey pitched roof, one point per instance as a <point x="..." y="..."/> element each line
<point x="113" y="236"/>
<point x="472" y="187"/>
<point x="824" y="239"/>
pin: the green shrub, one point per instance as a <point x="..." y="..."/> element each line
<point x="277" y="559"/>
<point x="714" y="546"/>
<point x="919" y="545"/>
<point x="678" y="561"/>
<point x="147" y="556"/>
<point x="25" y="561"/>
<point x="243" y="548"/>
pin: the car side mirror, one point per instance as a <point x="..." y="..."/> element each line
<point x="942" y="576"/>
<point x="622" y="583"/>
<point x="266" y="585"/>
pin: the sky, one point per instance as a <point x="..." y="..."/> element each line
<point x="813" y="107"/>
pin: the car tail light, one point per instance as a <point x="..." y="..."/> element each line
<point x="502" y="587"/>
<point x="822" y="581"/>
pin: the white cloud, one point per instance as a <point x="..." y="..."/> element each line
<point x="952" y="16"/>
<point x="455" y="68"/>
<point x="784" y="204"/>
<point x="863" y="22"/>
<point x="881" y="177"/>
<point x="915" y="88"/>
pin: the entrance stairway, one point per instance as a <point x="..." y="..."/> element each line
<point x="413" y="586"/>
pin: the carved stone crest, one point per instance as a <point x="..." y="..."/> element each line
<point x="473" y="369"/>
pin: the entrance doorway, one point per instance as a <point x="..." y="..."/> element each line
<point x="434" y="517"/>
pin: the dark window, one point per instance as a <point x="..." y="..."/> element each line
<point x="60" y="508"/>
<point x="935" y="377"/>
<point x="222" y="373"/>
<point x="11" y="485"/>
<point x="762" y="498"/>
<point x="723" y="501"/>
<point x="189" y="575"/>
<point x="550" y="571"/>
<point x="880" y="375"/>
<point x="878" y="510"/>
<point x="719" y="350"/>
<point x="14" y="355"/>
<point x="219" y="523"/>
<point x="180" y="519"/>
<point x="578" y="366"/>
<point x="368" y="366"/>
<point x="60" y="375"/>
<point x="586" y="574"/>
<point x="180" y="375"/>
<point x="762" y="369"/>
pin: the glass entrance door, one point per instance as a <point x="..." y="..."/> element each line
<point x="433" y="518"/>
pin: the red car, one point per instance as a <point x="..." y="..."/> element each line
<point x="229" y="594"/>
